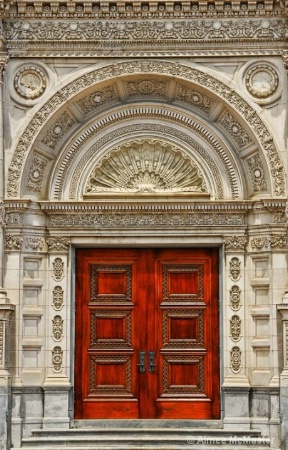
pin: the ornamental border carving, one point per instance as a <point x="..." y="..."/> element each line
<point x="147" y="66"/>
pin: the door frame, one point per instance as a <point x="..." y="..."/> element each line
<point x="171" y="242"/>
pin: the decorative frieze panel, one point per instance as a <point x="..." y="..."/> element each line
<point x="157" y="220"/>
<point x="147" y="30"/>
<point x="146" y="166"/>
<point x="58" y="130"/>
<point x="257" y="172"/>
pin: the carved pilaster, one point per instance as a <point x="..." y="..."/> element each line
<point x="235" y="243"/>
<point x="6" y="310"/>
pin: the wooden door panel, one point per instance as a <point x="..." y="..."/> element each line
<point x="187" y="304"/>
<point x="106" y="359"/>
<point x="132" y="300"/>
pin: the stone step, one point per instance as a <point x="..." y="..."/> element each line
<point x="140" y="438"/>
<point x="144" y="446"/>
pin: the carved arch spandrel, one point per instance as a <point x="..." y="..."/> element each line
<point x="197" y="77"/>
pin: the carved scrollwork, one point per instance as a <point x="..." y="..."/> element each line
<point x="13" y="242"/>
<point x="58" y="244"/>
<point x="258" y="242"/>
<point x="235" y="296"/>
<point x="57" y="359"/>
<point x="35" y="242"/>
<point x="235" y="269"/>
<point x="235" y="359"/>
<point x="235" y="243"/>
<point x="278" y="242"/>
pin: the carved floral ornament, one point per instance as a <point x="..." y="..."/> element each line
<point x="146" y="166"/>
<point x="208" y="82"/>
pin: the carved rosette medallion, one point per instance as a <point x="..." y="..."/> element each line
<point x="235" y="269"/>
<point x="146" y="166"/>
<point x="257" y="173"/>
<point x="30" y="82"/>
<point x="36" y="173"/>
<point x="58" y="269"/>
<point x="235" y="358"/>
<point x="57" y="359"/>
<point x="235" y="328"/>
<point x="261" y="81"/>
<point x="58" y="298"/>
<point x="235" y="294"/>
<point x="57" y="328"/>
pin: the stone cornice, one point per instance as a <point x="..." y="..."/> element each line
<point x="142" y="10"/>
<point x="145" y="205"/>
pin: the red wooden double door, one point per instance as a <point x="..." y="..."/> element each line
<point x="147" y="334"/>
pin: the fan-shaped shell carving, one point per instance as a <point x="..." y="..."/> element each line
<point x="146" y="166"/>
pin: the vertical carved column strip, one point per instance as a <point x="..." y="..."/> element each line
<point x="236" y="386"/>
<point x="57" y="384"/>
<point x="283" y="310"/>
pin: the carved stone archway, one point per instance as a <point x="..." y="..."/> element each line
<point x="235" y="125"/>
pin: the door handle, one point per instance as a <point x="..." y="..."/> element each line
<point x="152" y="364"/>
<point x="141" y="363"/>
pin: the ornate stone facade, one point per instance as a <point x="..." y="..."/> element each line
<point x="143" y="124"/>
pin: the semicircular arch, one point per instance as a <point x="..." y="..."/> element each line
<point x="248" y="117"/>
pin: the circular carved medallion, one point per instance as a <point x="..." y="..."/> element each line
<point x="30" y="82"/>
<point x="262" y="81"/>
